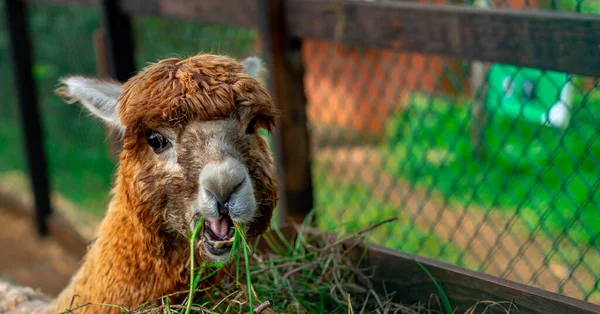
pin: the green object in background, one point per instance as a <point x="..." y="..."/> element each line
<point x="537" y="96"/>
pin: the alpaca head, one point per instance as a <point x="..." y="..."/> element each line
<point x="191" y="146"/>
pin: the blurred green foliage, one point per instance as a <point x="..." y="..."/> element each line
<point x="548" y="177"/>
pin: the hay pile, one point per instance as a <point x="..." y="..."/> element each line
<point x="314" y="273"/>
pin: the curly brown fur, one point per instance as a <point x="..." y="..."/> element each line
<point x="204" y="105"/>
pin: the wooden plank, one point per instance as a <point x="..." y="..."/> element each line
<point x="88" y="3"/>
<point x="286" y="84"/>
<point x="98" y="40"/>
<point x="113" y="139"/>
<point x="398" y="272"/>
<point x="21" y="53"/>
<point x="561" y="41"/>
<point x="568" y="42"/>
<point x="226" y="12"/>
<point x="118" y="41"/>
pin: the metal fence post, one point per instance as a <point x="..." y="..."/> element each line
<point x="117" y="45"/>
<point x="286" y="84"/>
<point x="20" y="47"/>
<point x="118" y="37"/>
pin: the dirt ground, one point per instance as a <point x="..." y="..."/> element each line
<point x="29" y="260"/>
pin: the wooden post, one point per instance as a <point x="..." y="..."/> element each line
<point x="286" y="84"/>
<point x="118" y="40"/>
<point x="113" y="139"/>
<point x="98" y="40"/>
<point x="478" y="91"/>
<point x="478" y="114"/>
<point x="20" y="47"/>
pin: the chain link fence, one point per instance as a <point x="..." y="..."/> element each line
<point x="488" y="166"/>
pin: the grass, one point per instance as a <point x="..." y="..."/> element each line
<point x="313" y="273"/>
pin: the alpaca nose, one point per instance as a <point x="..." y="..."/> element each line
<point x="223" y="208"/>
<point x="222" y="179"/>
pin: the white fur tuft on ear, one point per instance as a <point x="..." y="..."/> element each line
<point x="253" y="66"/>
<point x="100" y="97"/>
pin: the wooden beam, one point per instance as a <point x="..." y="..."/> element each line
<point x="113" y="139"/>
<point x="560" y="41"/>
<point x="87" y="3"/>
<point x="568" y="42"/>
<point x="22" y="61"/>
<point x="98" y="40"/>
<point x="225" y="12"/>
<point x="399" y="272"/>
<point x="286" y="84"/>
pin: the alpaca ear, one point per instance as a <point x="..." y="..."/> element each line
<point x="253" y="66"/>
<point x="100" y="97"/>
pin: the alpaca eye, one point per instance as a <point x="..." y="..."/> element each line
<point x="157" y="141"/>
<point x="251" y="129"/>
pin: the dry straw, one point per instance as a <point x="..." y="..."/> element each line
<point x="314" y="273"/>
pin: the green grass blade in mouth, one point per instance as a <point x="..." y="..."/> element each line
<point x="248" y="278"/>
<point x="239" y="237"/>
<point x="197" y="229"/>
<point x="198" y="278"/>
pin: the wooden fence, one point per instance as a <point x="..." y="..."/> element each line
<point x="548" y="40"/>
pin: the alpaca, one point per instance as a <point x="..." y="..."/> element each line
<point x="190" y="149"/>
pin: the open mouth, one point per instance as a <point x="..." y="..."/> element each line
<point x="219" y="235"/>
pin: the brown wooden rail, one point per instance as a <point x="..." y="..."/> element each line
<point x="567" y="42"/>
<point x="397" y="271"/>
<point x="561" y="41"/>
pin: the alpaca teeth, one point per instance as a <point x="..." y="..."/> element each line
<point x="220" y="244"/>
